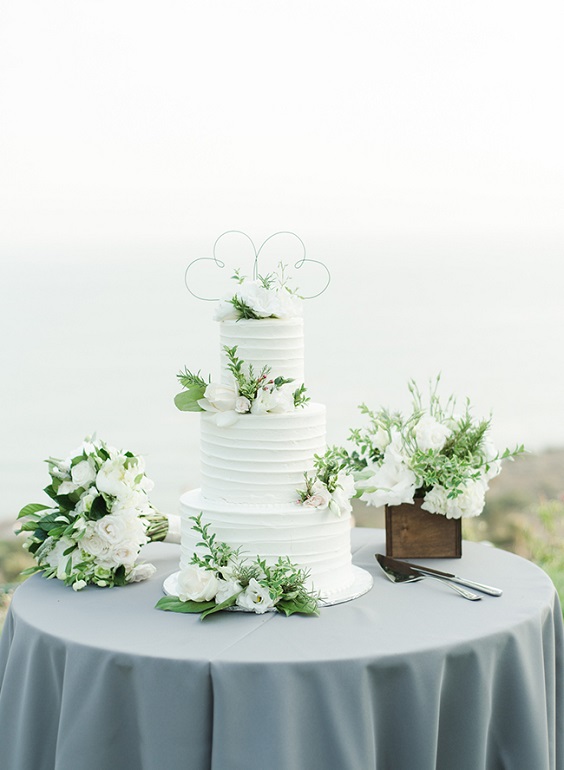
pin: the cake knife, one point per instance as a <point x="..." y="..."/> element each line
<point x="449" y="575"/>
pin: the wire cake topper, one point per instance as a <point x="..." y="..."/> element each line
<point x="256" y="252"/>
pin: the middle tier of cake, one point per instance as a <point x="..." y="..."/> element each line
<point x="261" y="458"/>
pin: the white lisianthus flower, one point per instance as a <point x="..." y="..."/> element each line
<point x="273" y="401"/>
<point x="227" y="589"/>
<point x="242" y="405"/>
<point x="471" y="502"/>
<point x="381" y="439"/>
<point x="197" y="584"/>
<point x="435" y="500"/>
<point x="255" y="597"/>
<point x="78" y="585"/>
<point x="491" y="456"/>
<point x="343" y="493"/>
<point x="392" y="483"/>
<point x="431" y="434"/>
<point x="83" y="473"/>
<point x="395" y="451"/>
<point x="141" y="572"/>
<point x="111" y="477"/>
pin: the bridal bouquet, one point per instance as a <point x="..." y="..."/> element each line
<point x="445" y="457"/>
<point x="97" y="521"/>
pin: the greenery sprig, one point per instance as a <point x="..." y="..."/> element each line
<point x="285" y="582"/>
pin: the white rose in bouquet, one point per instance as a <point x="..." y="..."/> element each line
<point x="255" y="597"/>
<point x="435" y="500"/>
<point x="470" y="503"/>
<point x="197" y="584"/>
<point x="83" y="473"/>
<point x="431" y="434"/>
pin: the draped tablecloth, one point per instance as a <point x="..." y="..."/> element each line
<point x="407" y="677"/>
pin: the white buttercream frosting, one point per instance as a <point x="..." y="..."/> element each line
<point x="261" y="458"/>
<point x="316" y="540"/>
<point x="277" y="343"/>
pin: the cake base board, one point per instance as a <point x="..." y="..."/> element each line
<point x="362" y="583"/>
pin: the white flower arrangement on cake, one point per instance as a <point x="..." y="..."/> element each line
<point x="222" y="578"/>
<point x="268" y="296"/>
<point x="330" y="487"/>
<point x="99" y="518"/>
<point x="435" y="453"/>
<point x="250" y="393"/>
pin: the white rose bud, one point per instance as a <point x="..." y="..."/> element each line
<point x="242" y="405"/>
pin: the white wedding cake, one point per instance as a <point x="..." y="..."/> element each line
<point x="254" y="454"/>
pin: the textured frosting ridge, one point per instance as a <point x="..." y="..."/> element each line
<point x="274" y="342"/>
<point x="262" y="458"/>
<point x="317" y="540"/>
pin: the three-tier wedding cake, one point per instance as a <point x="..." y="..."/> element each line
<point x="262" y="441"/>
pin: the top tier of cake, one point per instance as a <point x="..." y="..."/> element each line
<point x="277" y="343"/>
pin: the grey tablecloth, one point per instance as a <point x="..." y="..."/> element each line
<point x="408" y="677"/>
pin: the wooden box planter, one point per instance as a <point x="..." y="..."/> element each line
<point x="412" y="533"/>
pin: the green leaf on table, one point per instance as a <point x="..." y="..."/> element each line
<point x="222" y="606"/>
<point x="306" y="606"/>
<point x="173" y="604"/>
<point x="31" y="508"/>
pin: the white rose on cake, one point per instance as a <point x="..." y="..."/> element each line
<point x="227" y="589"/>
<point x="320" y="497"/>
<point x="271" y="400"/>
<point x="341" y="497"/>
<point x="220" y="398"/>
<point x="197" y="584"/>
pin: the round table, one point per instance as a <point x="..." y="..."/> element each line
<point x="407" y="677"/>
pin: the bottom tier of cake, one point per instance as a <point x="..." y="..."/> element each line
<point x="315" y="540"/>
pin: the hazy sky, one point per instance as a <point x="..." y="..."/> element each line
<point x="415" y="146"/>
<point x="165" y="120"/>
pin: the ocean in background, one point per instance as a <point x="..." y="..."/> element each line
<point x="92" y="341"/>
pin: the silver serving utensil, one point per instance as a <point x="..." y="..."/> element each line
<point x="400" y="573"/>
<point x="455" y="579"/>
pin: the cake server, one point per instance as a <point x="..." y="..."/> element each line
<point x="399" y="572"/>
<point x="454" y="578"/>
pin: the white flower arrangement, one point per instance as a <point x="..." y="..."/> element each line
<point x="266" y="297"/>
<point x="330" y="487"/>
<point x="435" y="453"/>
<point x="99" y="518"/>
<point x="249" y="394"/>
<point x="222" y="578"/>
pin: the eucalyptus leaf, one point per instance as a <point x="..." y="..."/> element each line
<point x="187" y="401"/>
